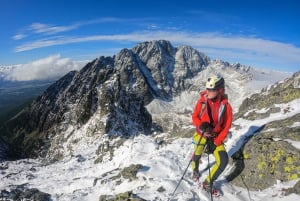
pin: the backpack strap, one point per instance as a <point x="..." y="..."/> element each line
<point x="203" y="104"/>
<point x="222" y="109"/>
<point x="209" y="113"/>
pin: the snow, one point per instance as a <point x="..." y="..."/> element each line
<point x="248" y="127"/>
<point x="296" y="124"/>
<point x="77" y="177"/>
<point x="263" y="110"/>
<point x="237" y="88"/>
<point x="266" y="77"/>
<point x="184" y="102"/>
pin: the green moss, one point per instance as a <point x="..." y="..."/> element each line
<point x="292" y="176"/>
<point x="262" y="165"/>
<point x="291" y="94"/>
<point x="290" y="160"/>
<point x="264" y="147"/>
<point x="260" y="176"/>
<point x="287" y="169"/>
<point x="246" y="155"/>
<point x="277" y="156"/>
<point x="279" y="95"/>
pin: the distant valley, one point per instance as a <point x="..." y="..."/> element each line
<point x="15" y="95"/>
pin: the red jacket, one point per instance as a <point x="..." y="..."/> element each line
<point x="221" y="118"/>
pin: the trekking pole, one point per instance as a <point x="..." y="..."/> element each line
<point x="210" y="182"/>
<point x="188" y="166"/>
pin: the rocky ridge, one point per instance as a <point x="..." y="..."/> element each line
<point x="111" y="93"/>
<point x="268" y="156"/>
<point x="116" y="89"/>
<point x="115" y="98"/>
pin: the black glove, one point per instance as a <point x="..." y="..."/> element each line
<point x="210" y="146"/>
<point x="206" y="128"/>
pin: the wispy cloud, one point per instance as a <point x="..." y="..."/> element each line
<point x="214" y="44"/>
<point x="218" y="44"/>
<point x="48" y="29"/>
<point x="54" y="29"/>
<point x="19" y="36"/>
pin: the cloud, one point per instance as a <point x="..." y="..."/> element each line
<point x="47" y="68"/>
<point x="238" y="49"/>
<point x="243" y="48"/>
<point x="48" y="29"/>
<point x="19" y="36"/>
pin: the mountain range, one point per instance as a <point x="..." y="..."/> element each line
<point x="141" y="100"/>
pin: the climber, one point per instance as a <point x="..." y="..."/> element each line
<point x="212" y="117"/>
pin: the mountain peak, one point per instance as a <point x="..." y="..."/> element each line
<point x="123" y="123"/>
<point x="110" y="95"/>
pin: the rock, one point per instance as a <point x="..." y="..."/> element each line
<point x="131" y="171"/>
<point x="121" y="197"/>
<point x="295" y="189"/>
<point x="21" y="193"/>
<point x="268" y="157"/>
<point x="161" y="189"/>
<point x="281" y="92"/>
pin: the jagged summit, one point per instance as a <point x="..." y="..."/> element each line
<point x="114" y="90"/>
<point x="110" y="94"/>
<point x="122" y="124"/>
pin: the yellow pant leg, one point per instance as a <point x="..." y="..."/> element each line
<point x="199" y="143"/>
<point x="221" y="158"/>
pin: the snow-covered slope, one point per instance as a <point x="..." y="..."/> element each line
<point x="162" y="163"/>
<point x="239" y="85"/>
<point x="79" y="161"/>
<point x="79" y="178"/>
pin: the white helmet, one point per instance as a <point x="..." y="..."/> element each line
<point x="215" y="82"/>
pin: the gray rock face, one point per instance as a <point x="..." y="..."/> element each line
<point x="114" y="88"/>
<point x="268" y="158"/>
<point x="72" y="100"/>
<point x="4" y="149"/>
<point x="269" y="155"/>
<point x="170" y="66"/>
<point x="21" y="193"/>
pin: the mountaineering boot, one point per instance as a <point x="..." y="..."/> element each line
<point x="210" y="188"/>
<point x="196" y="176"/>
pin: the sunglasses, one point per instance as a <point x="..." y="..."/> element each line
<point x="212" y="90"/>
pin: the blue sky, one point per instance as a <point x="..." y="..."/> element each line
<point x="262" y="34"/>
